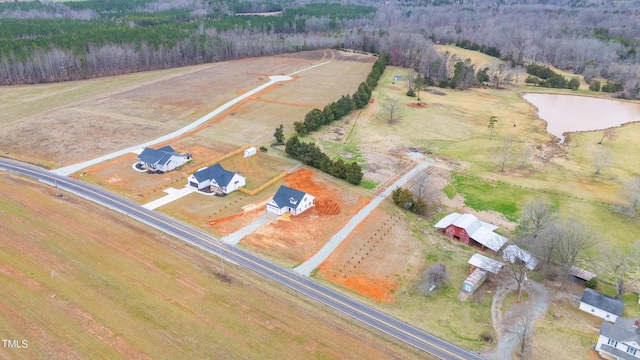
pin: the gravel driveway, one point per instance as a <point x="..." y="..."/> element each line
<point x="538" y="303"/>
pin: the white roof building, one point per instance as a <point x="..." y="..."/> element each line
<point x="479" y="231"/>
<point x="511" y="253"/>
<point x="485" y="263"/>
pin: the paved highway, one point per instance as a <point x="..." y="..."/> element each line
<point x="374" y="318"/>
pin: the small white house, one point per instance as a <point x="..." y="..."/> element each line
<point x="619" y="340"/>
<point x="288" y="200"/>
<point x="600" y="305"/>
<point x="250" y="152"/>
<point x="216" y="179"/>
<point x="163" y="159"/>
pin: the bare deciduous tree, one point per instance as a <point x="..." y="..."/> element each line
<point x="631" y="192"/>
<point x="517" y="258"/>
<point x="546" y="244"/>
<point x="435" y="275"/>
<point x="609" y="134"/>
<point x="601" y="158"/>
<point x="521" y="324"/>
<point x="392" y="108"/>
<point x="536" y="215"/>
<point x="504" y="153"/>
<point x="411" y="77"/>
<point x="575" y="241"/>
<point x="525" y="156"/>
<point x="423" y="188"/>
<point x="619" y="263"/>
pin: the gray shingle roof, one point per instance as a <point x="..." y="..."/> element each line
<point x="286" y="196"/>
<point x="215" y="172"/>
<point x="617" y="352"/>
<point x="621" y="331"/>
<point x="601" y="301"/>
<point x="159" y="156"/>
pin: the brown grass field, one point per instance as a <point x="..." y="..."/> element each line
<point x="76" y="283"/>
<point x="76" y="121"/>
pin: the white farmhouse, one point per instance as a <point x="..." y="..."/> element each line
<point x="620" y="340"/>
<point x="288" y="200"/>
<point x="161" y="160"/>
<point x="601" y="305"/>
<point x="216" y="179"/>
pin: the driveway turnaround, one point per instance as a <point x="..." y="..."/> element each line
<point x="360" y="312"/>
<point x="308" y="266"/>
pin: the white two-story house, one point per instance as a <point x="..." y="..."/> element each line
<point x="619" y="340"/>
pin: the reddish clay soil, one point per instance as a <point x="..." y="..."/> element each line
<point x="297" y="238"/>
<point x="418" y="105"/>
<point x="380" y="239"/>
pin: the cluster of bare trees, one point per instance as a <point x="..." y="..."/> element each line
<point x="564" y="242"/>
<point x="595" y="39"/>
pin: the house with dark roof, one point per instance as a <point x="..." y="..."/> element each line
<point x="600" y="305"/>
<point x="619" y="340"/>
<point x="161" y="160"/>
<point x="469" y="230"/>
<point x="216" y="179"/>
<point x="289" y="200"/>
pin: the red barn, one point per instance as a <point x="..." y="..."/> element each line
<point x="471" y="231"/>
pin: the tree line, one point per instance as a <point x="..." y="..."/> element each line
<point x="122" y="37"/>
<point x="312" y="155"/>
<point x="316" y="118"/>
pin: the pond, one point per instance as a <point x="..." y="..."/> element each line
<point x="569" y="113"/>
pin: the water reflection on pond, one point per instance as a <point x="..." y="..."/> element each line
<point x="568" y="113"/>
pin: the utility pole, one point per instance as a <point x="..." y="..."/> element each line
<point x="55" y="184"/>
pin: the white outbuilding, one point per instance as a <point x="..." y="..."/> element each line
<point x="250" y="152"/>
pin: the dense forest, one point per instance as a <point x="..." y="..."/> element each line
<point x="42" y="41"/>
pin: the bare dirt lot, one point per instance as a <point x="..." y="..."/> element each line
<point x="81" y="120"/>
<point x="79" y="281"/>
<point x="380" y="239"/>
<point x="296" y="238"/>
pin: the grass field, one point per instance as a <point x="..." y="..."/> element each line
<point x="76" y="121"/>
<point x="77" y="284"/>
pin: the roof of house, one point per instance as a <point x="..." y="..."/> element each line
<point x="513" y="252"/>
<point x="479" y="231"/>
<point x="603" y="302"/>
<point x="617" y="352"/>
<point x="581" y="273"/>
<point x="475" y="276"/>
<point x="286" y="196"/>
<point x="157" y="156"/>
<point x="216" y="172"/>
<point x="622" y="330"/>
<point x="485" y="263"/>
